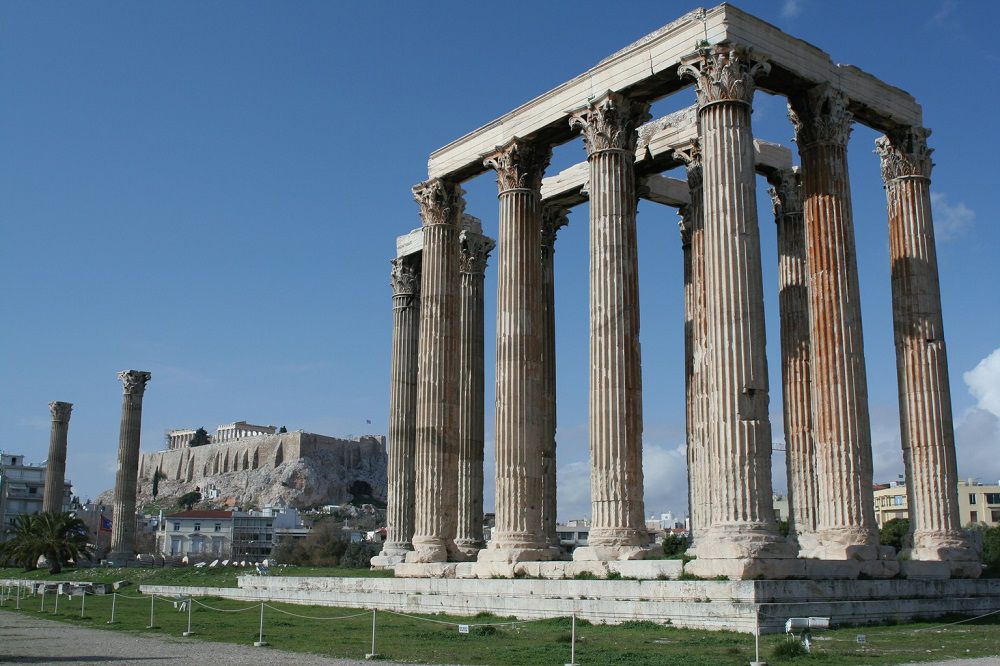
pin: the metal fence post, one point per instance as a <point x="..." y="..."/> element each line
<point x="42" y="609"/>
<point x="152" y="600"/>
<point x="114" y="602"/>
<point x="18" y="600"/>
<point x="190" y="603"/>
<point x="83" y="603"/>
<point x="373" y="654"/>
<point x="56" y="611"/>
<point x="572" y="642"/>
<point x="260" y="642"/>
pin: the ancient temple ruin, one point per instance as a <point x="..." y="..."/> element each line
<point x="436" y="408"/>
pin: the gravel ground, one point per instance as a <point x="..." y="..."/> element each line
<point x="33" y="640"/>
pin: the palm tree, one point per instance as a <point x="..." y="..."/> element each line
<point x="59" y="537"/>
<point x="22" y="548"/>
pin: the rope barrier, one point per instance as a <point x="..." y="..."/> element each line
<point x="223" y="610"/>
<point x="468" y="624"/>
<point x="951" y="624"/>
<point x="310" y="617"/>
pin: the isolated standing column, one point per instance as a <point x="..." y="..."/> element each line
<point x="123" y="521"/>
<point x="441" y="207"/>
<point x="618" y="529"/>
<point x="793" y="311"/>
<point x="845" y="516"/>
<point x="927" y="431"/>
<point x="55" y="472"/>
<point x="405" y="280"/>
<point x="475" y="250"/>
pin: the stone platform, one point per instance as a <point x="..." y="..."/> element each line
<point x="732" y="605"/>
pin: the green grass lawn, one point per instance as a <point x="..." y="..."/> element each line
<point x="421" y="639"/>
<point x="216" y="577"/>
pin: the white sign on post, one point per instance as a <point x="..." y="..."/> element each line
<point x="463" y="628"/>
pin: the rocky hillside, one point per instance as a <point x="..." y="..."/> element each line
<point x="302" y="483"/>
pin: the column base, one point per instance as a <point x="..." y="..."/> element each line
<point x="743" y="541"/>
<point x="845" y="543"/>
<point x="746" y="568"/>
<point x="806" y="542"/>
<point x="468" y="548"/>
<point x="616" y="553"/>
<point x="383" y="561"/>
<point x="428" y="550"/>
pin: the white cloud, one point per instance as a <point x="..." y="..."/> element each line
<point x="950" y="220"/>
<point x="984" y="383"/>
<point x="977" y="430"/>
<point x="791" y="8"/>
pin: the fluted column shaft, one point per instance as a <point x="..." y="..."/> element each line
<point x="403" y="405"/>
<point x="519" y="381"/>
<point x="845" y="517"/>
<point x="441" y="207"/>
<point x="793" y="309"/>
<point x="55" y="471"/>
<point x="740" y="519"/>
<point x="553" y="218"/>
<point x="693" y="249"/>
<point x="615" y="432"/>
<point x="123" y="522"/>
<point x="927" y="431"/>
<point x="475" y="251"/>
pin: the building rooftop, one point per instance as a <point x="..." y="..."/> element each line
<point x="201" y="514"/>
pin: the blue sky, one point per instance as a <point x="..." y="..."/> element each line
<point x="210" y="191"/>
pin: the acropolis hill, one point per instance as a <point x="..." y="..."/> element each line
<point x="254" y="466"/>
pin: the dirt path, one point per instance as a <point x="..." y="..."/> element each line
<point x="33" y="640"/>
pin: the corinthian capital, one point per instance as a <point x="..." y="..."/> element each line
<point x="723" y="74"/>
<point x="134" y="381"/>
<point x="61" y="410"/>
<point x="690" y="154"/>
<point x="786" y="193"/>
<point x="685" y="225"/>
<point x="475" y="251"/>
<point x="821" y="116"/>
<point x="519" y="164"/>
<point x="904" y="153"/>
<point x="440" y="202"/>
<point x="610" y="122"/>
<point x="554" y="218"/>
<point x="405" y="275"/>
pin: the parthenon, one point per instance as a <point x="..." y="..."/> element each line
<point x="436" y="405"/>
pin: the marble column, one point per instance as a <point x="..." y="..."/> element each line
<point x="55" y="471"/>
<point x="441" y="207"/>
<point x="405" y="281"/>
<point x="553" y="219"/>
<point x="123" y="521"/>
<point x="793" y="311"/>
<point x="740" y="538"/>
<point x="618" y="528"/>
<point x="695" y="389"/>
<point x="519" y="166"/>
<point x="845" y="516"/>
<point x="928" y="436"/>
<point x="475" y="250"/>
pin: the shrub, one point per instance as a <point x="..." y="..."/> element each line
<point x="788" y="650"/>
<point x="894" y="533"/>
<point x="991" y="550"/>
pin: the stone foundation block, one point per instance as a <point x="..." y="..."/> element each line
<point x="746" y="568"/>
<point x="926" y="570"/>
<point x="387" y="561"/>
<point x="426" y="570"/>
